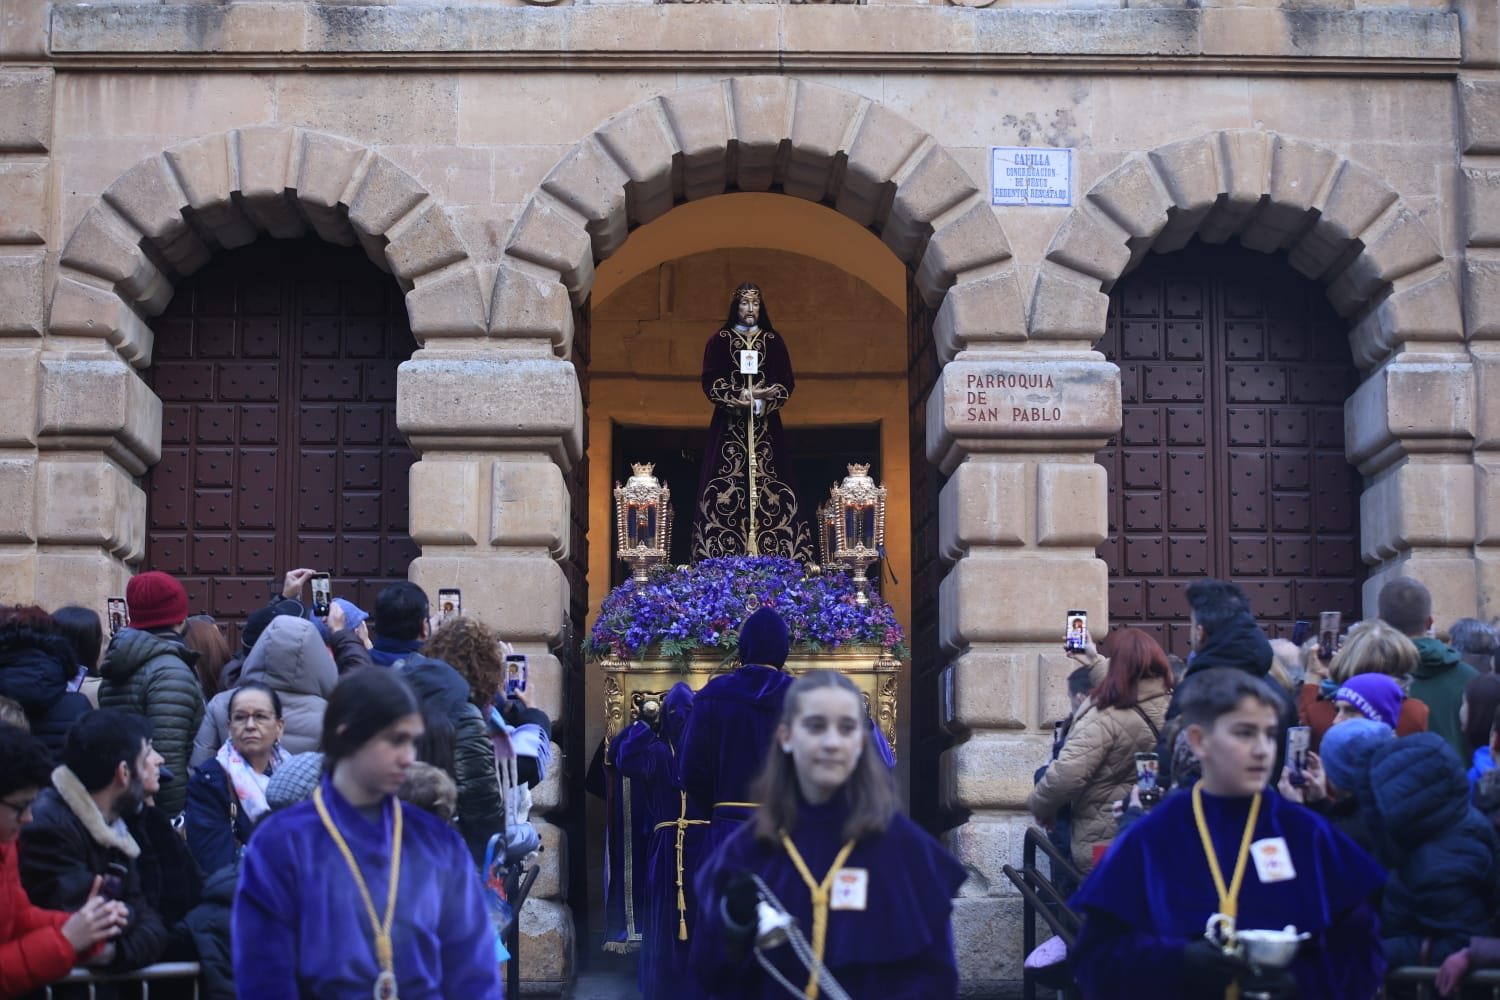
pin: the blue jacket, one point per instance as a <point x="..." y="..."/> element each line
<point x="216" y="825"/>
<point x="1443" y="856"/>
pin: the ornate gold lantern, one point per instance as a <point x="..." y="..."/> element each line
<point x="643" y="519"/>
<point x="828" y="520"/>
<point x="857" y="509"/>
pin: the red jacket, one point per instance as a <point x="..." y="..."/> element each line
<point x="33" y="951"/>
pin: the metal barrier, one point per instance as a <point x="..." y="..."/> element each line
<point x="518" y="883"/>
<point x="1418" y="982"/>
<point x="1043" y="899"/>
<point x="145" y="977"/>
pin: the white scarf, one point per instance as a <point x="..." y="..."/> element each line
<point x="249" y="786"/>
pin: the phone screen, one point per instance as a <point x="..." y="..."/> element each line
<point x="1076" y="636"/>
<point x="1297" y="742"/>
<point x="322" y="593"/>
<point x="119" y="616"/>
<point x="516" y="669"/>
<point x="1146" y="765"/>
<point x="1329" y="624"/>
<point x="450" y="604"/>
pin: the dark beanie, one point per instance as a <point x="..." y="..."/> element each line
<point x="155" y="599"/>
<point x="257" y="620"/>
<point x="764" y="639"/>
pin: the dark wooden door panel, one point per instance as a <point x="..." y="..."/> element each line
<point x="276" y="366"/>
<point x="1230" y="457"/>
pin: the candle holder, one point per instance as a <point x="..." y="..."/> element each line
<point x="856" y="514"/>
<point x="643" y="520"/>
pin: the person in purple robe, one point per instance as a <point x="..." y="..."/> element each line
<point x="647" y="755"/>
<point x="315" y="915"/>
<point x="721" y="517"/>
<point x="870" y="891"/>
<point x="1230" y="846"/>
<point x="627" y="835"/>
<point x="731" y="725"/>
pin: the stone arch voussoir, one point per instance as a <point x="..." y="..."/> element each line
<point x="166" y="216"/>
<point x="763" y="133"/>
<point x="1338" y="221"/>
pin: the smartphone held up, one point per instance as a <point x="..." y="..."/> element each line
<point x="516" y="670"/>
<point x="450" y="604"/>
<point x="322" y="594"/>
<point x="119" y="615"/>
<point x="1298" y="741"/>
<point x="1076" y="634"/>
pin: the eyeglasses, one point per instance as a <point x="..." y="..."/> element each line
<point x="259" y="718"/>
<point x="20" y="810"/>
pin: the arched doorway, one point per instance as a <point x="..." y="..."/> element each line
<point x="276" y="367"/>
<point x="1230" y="460"/>
<point x="838" y="296"/>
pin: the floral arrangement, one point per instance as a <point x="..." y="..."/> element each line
<point x="685" y="609"/>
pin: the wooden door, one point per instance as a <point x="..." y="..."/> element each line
<point x="276" y="366"/>
<point x="1230" y="461"/>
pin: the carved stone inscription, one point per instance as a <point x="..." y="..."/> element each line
<point x="1025" y="404"/>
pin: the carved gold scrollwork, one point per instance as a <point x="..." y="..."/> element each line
<point x="614" y="708"/>
<point x="885" y="709"/>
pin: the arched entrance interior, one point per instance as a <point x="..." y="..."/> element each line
<point x="1230" y="461"/>
<point x="276" y="368"/>
<point x="836" y="293"/>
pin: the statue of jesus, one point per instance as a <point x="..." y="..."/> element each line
<point x="732" y="516"/>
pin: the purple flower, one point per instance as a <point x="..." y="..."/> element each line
<point x="702" y="607"/>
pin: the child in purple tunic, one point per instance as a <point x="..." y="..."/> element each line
<point x="870" y="891"/>
<point x="1147" y="905"/>
<point x="314" y="915"/>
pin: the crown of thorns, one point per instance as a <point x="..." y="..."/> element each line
<point x="751" y="295"/>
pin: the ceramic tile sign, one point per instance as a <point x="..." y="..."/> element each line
<point x="1031" y="175"/>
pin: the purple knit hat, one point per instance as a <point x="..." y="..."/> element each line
<point x="1375" y="696"/>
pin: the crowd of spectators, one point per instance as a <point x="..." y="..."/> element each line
<point x="136" y="767"/>
<point x="1403" y="735"/>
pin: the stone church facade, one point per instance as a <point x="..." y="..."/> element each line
<point x="1084" y="385"/>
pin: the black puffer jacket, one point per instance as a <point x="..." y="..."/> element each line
<point x="1239" y="645"/>
<point x="445" y="703"/>
<point x="1443" y="856"/>
<point x="35" y="668"/>
<point x="152" y="675"/>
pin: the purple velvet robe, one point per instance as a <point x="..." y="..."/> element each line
<point x="721" y="515"/>
<point x="301" y="929"/>
<point x="648" y="759"/>
<point x="900" y="947"/>
<point x="727" y="736"/>
<point x="1153" y="892"/>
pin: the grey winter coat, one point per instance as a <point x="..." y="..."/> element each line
<point x="291" y="659"/>
<point x="152" y="675"/>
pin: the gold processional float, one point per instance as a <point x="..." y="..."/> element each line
<point x="650" y="631"/>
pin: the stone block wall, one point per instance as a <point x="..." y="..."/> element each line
<point x="489" y="157"/>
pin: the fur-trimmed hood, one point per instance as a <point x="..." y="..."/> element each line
<point x="82" y="805"/>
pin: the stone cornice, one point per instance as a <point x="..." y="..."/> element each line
<point x="754" y="37"/>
